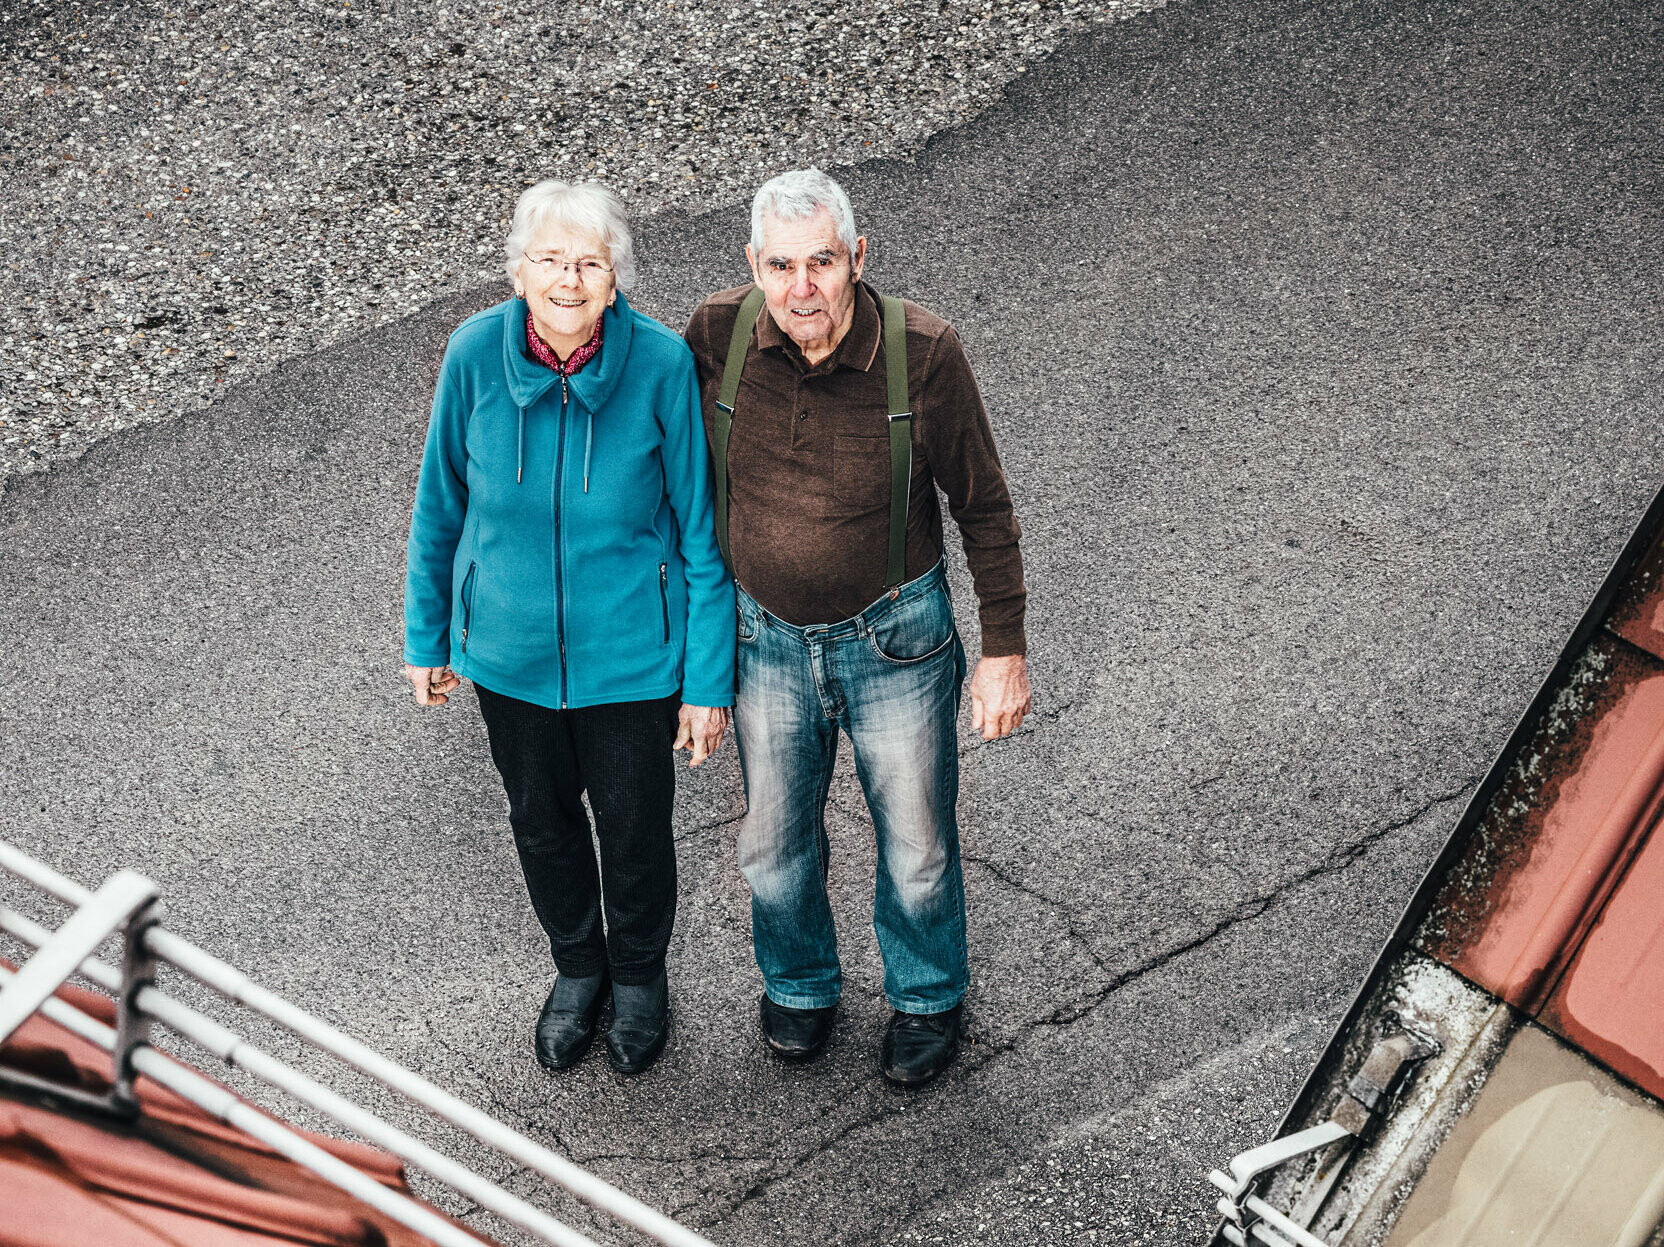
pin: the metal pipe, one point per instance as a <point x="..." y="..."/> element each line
<point x="1249" y="1165"/>
<point x="32" y="933"/>
<point x="1233" y="1231"/>
<point x="1298" y="1234"/>
<point x="235" y="1051"/>
<point x="235" y="985"/>
<point x="231" y="1048"/>
<point x="42" y="876"/>
<point x="1269" y="1236"/>
<point x="222" y="1104"/>
<point x="203" y="1093"/>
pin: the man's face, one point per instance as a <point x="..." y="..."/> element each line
<point x="808" y="277"/>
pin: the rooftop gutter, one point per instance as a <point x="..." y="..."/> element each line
<point x="1639" y="542"/>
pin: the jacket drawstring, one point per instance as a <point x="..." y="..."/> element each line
<point x="520" y="453"/>
<point x="589" y="444"/>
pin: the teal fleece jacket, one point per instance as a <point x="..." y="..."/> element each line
<point x="562" y="548"/>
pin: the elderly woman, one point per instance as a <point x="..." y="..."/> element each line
<point x="562" y="557"/>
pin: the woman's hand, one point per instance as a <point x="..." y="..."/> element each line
<point x="431" y="684"/>
<point x="700" y="729"/>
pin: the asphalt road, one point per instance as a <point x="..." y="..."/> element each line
<point x="1322" y="341"/>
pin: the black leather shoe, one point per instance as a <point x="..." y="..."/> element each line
<point x="918" y="1046"/>
<point x="795" y="1034"/>
<point x="640" y="1025"/>
<point x="566" y="1027"/>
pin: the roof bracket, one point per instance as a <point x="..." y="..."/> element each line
<point x="1370" y="1096"/>
<point x="126" y="904"/>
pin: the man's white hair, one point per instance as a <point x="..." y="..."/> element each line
<point x="585" y="206"/>
<point x="796" y="196"/>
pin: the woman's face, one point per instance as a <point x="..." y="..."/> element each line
<point x="568" y="281"/>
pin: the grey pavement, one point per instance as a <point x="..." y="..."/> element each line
<point x="194" y="193"/>
<point x="1322" y="341"/>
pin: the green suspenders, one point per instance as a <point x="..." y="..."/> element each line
<point x="901" y="425"/>
<point x="901" y="437"/>
<point x="738" y="344"/>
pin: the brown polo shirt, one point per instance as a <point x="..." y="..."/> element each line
<point x="809" y="468"/>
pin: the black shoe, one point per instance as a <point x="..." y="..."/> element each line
<point x="795" y="1034"/>
<point x="640" y="1024"/>
<point x="566" y="1027"/>
<point x="918" y="1046"/>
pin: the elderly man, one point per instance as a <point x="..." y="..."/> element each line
<point x="834" y="414"/>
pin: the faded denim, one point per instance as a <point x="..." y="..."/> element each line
<point x="890" y="677"/>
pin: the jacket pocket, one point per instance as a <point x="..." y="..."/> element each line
<point x="664" y="600"/>
<point x="468" y="603"/>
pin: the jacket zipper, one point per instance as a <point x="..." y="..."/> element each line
<point x="664" y="599"/>
<point x="560" y="600"/>
<point x="467" y="603"/>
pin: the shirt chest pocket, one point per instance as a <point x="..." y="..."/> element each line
<point x="861" y="471"/>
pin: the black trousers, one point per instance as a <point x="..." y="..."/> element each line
<point x="620" y="755"/>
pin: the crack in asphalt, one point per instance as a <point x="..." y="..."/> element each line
<point x="1338" y="859"/>
<point x="978" y="1055"/>
<point x="695" y="832"/>
<point x="1068" y="915"/>
<point x="499" y="1107"/>
<point x="693" y="1157"/>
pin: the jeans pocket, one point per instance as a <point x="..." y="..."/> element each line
<point x="920" y="629"/>
<point x="745" y="624"/>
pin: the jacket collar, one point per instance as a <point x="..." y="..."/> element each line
<point x="593" y="384"/>
<point x="857" y="350"/>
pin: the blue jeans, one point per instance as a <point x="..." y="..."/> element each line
<point x="890" y="677"/>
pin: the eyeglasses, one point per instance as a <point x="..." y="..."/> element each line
<point x="588" y="270"/>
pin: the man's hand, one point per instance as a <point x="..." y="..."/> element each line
<point x="431" y="684"/>
<point x="1000" y="696"/>
<point x="700" y="729"/>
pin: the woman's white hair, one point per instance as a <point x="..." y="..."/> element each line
<point x="586" y="206"/>
<point x="796" y="196"/>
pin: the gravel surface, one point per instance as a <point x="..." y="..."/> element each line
<point x="194" y="193"/>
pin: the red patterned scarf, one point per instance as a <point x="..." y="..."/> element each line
<point x="544" y="355"/>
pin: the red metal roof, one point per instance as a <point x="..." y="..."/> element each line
<point x="1611" y="1001"/>
<point x="1638" y="614"/>
<point x="1556" y="903"/>
<point x="173" y="1176"/>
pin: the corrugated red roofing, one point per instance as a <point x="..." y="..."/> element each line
<point x="1611" y="1000"/>
<point x="1638" y="614"/>
<point x="1560" y="834"/>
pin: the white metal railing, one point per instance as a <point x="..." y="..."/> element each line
<point x="127" y="904"/>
